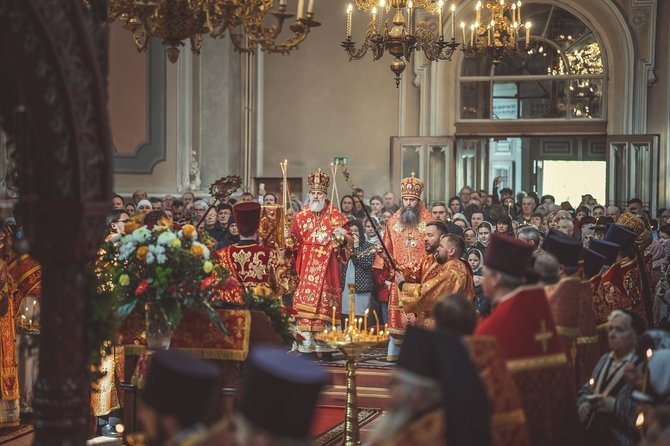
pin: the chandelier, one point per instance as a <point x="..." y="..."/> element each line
<point x="174" y="21"/>
<point x="402" y="36"/>
<point x="499" y="32"/>
<point x="496" y="32"/>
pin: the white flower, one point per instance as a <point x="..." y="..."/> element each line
<point x="159" y="252"/>
<point x="141" y="234"/>
<point x="126" y="239"/>
<point x="150" y="258"/>
<point x="165" y="238"/>
<point x="126" y="250"/>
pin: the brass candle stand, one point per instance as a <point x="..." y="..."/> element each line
<point x="353" y="341"/>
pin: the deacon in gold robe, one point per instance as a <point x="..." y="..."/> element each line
<point x="440" y="273"/>
<point x="9" y="382"/>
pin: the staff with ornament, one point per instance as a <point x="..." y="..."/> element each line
<point x="319" y="243"/>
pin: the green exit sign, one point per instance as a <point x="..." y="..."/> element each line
<point x="341" y="160"/>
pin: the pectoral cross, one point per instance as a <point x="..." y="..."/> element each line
<point x="543" y="335"/>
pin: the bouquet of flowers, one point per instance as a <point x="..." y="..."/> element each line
<point x="159" y="267"/>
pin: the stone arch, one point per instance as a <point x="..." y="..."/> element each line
<point x="52" y="103"/>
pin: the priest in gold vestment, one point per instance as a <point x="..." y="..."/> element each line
<point x="9" y="382"/>
<point x="319" y="241"/>
<point x="404" y="237"/>
<point x="440" y="273"/>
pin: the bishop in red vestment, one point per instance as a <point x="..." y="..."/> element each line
<point x="404" y="236"/>
<point x="318" y="242"/>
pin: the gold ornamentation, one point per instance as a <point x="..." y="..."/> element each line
<point x="174" y="21"/>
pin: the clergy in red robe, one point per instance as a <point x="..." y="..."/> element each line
<point x="319" y="244"/>
<point x="403" y="237"/>
<point x="523" y="324"/>
<point x="249" y="262"/>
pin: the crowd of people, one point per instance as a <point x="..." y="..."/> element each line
<point x="565" y="303"/>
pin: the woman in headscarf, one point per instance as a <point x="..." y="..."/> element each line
<point x="484" y="232"/>
<point x="470" y="236"/>
<point x="359" y="271"/>
<point x="476" y="261"/>
<point x="460" y="220"/>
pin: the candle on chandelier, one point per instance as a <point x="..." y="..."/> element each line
<point x="453" y="21"/>
<point x="301" y="4"/>
<point x="472" y="35"/>
<point x="350" y="10"/>
<point x="310" y="7"/>
<point x="488" y="35"/>
<point x="527" y="26"/>
<point x="478" y="8"/>
<point x="440" y="26"/>
<point x="282" y="2"/>
<point x="518" y="11"/>
<point x="374" y="17"/>
<point x="463" y="33"/>
<point x="410" y="5"/>
<point x="382" y="11"/>
<point x="515" y="32"/>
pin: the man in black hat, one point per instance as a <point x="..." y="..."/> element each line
<point x="277" y="403"/>
<point x="436" y="395"/>
<point x="179" y="394"/>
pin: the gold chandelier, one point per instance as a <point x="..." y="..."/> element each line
<point x="402" y="36"/>
<point x="497" y="30"/>
<point x="174" y="21"/>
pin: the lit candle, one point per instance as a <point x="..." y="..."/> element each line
<point x="301" y="4"/>
<point x="346" y="324"/>
<point x="386" y="327"/>
<point x="374" y="18"/>
<point x="365" y="319"/>
<point x="350" y="10"/>
<point x="376" y="320"/>
<point x="515" y="32"/>
<point x="463" y="33"/>
<point x="410" y="16"/>
<point x="333" y="317"/>
<point x="310" y="7"/>
<point x="478" y="8"/>
<point x="528" y="25"/>
<point x="453" y="21"/>
<point x="518" y="10"/>
<point x="382" y="11"/>
<point x="440" y="26"/>
<point x="645" y="378"/>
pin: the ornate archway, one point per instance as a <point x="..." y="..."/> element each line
<point x="52" y="103"/>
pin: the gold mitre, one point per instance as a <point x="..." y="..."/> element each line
<point x="634" y="223"/>
<point x="318" y="181"/>
<point x="411" y="186"/>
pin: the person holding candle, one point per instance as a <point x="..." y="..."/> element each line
<point x="320" y="244"/>
<point x="606" y="408"/>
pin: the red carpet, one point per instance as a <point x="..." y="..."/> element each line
<point x="328" y="424"/>
<point x="10" y="434"/>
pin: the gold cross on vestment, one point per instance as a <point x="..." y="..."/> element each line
<point x="543" y="335"/>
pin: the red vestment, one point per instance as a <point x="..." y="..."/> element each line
<point x="318" y="260"/>
<point x="252" y="265"/>
<point x="405" y="243"/>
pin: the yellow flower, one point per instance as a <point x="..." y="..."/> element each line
<point x="176" y="243"/>
<point x="165" y="222"/>
<point x="142" y="252"/>
<point x="207" y="267"/>
<point x="188" y="231"/>
<point x="197" y="250"/>
<point x="130" y="227"/>
<point x="124" y="280"/>
<point x="262" y="291"/>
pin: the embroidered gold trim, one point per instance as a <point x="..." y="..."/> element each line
<point x="570" y="332"/>
<point x="511" y="418"/>
<point x="587" y="340"/>
<point x="536" y="362"/>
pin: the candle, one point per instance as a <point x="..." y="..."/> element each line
<point x="282" y="2"/>
<point x="488" y="35"/>
<point x="298" y="15"/>
<point x="310" y="7"/>
<point x="410" y="5"/>
<point x="515" y="30"/>
<point x="472" y="35"/>
<point x="350" y="10"/>
<point x="463" y="33"/>
<point x="333" y="324"/>
<point x="382" y="11"/>
<point x="518" y="10"/>
<point x="453" y="21"/>
<point x="528" y="25"/>
<point x="365" y="319"/>
<point x="376" y="320"/>
<point x="352" y="302"/>
<point x="478" y="9"/>
<point x="645" y="378"/>
<point x="374" y="18"/>
<point x="440" y="26"/>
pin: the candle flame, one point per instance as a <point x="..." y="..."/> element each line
<point x="463" y="25"/>
<point x="649" y="353"/>
<point x="374" y="10"/>
<point x="592" y="382"/>
<point x="453" y="7"/>
<point x="350" y="7"/>
<point x="639" y="422"/>
<point x="528" y="25"/>
<point x="410" y="5"/>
